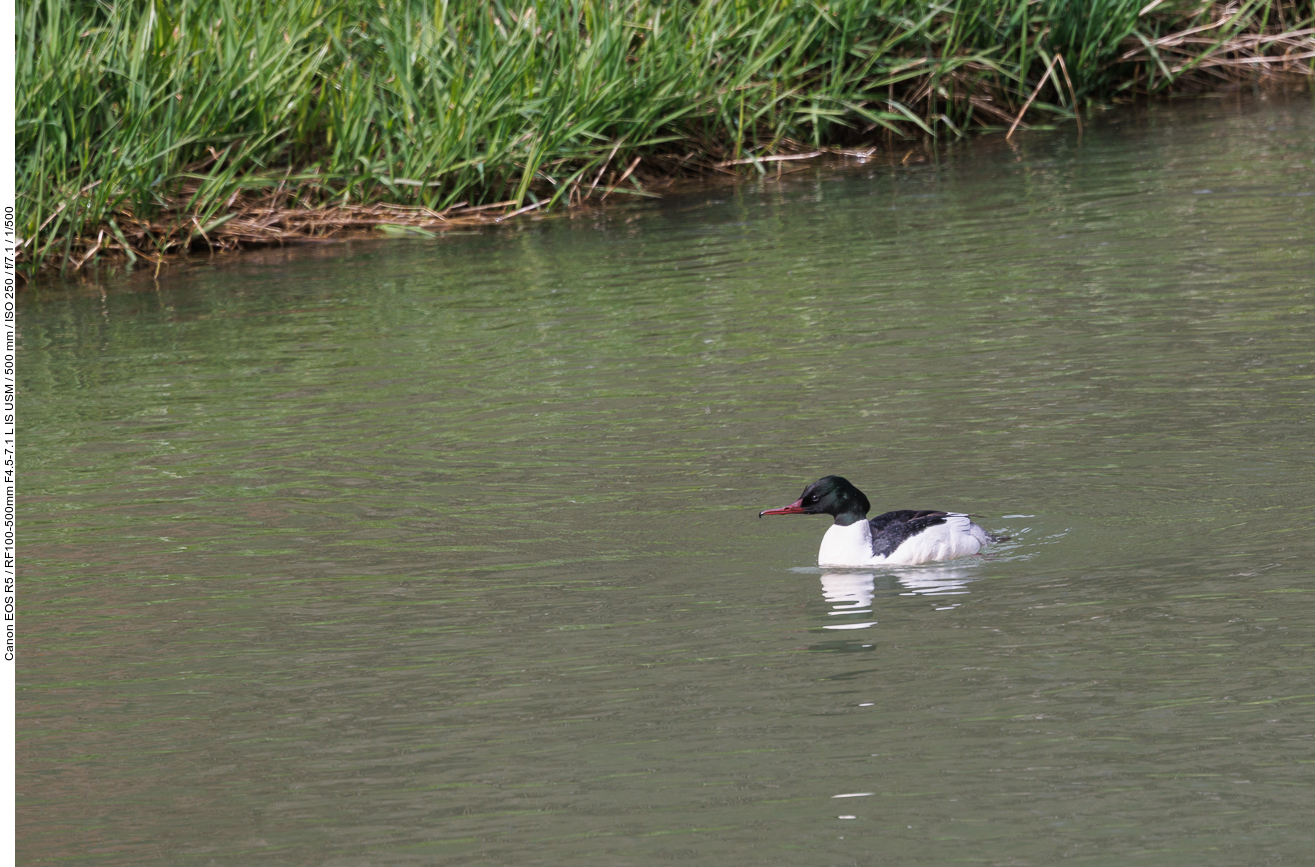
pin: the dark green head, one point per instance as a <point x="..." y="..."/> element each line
<point x="829" y="495"/>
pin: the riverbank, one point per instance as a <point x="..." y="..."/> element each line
<point x="144" y="131"/>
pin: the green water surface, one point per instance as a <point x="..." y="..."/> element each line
<point x="446" y="551"/>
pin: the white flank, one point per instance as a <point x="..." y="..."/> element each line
<point x="852" y="545"/>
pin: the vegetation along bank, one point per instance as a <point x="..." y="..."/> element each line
<point x="147" y="127"/>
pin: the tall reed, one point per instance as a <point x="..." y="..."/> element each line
<point x="145" y="126"/>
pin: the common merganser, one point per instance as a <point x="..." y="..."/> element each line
<point x="902" y="538"/>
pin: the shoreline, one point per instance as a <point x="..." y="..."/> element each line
<point x="383" y="221"/>
<point x="917" y="152"/>
<point x="218" y="203"/>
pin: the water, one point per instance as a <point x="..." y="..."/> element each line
<point x="445" y="551"/>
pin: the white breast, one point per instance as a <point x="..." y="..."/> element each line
<point x="848" y="546"/>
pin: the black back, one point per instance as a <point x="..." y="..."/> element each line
<point x="892" y="528"/>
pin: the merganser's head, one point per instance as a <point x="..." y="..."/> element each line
<point x="829" y="495"/>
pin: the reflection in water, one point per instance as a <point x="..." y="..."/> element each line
<point x="945" y="580"/>
<point x="848" y="592"/>
<point x="851" y="591"/>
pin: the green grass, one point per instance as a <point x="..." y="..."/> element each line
<point x="146" y="126"/>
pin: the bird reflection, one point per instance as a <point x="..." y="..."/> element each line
<point x="935" y="580"/>
<point x="851" y="592"/>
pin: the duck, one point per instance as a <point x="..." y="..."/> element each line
<point x="902" y="538"/>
